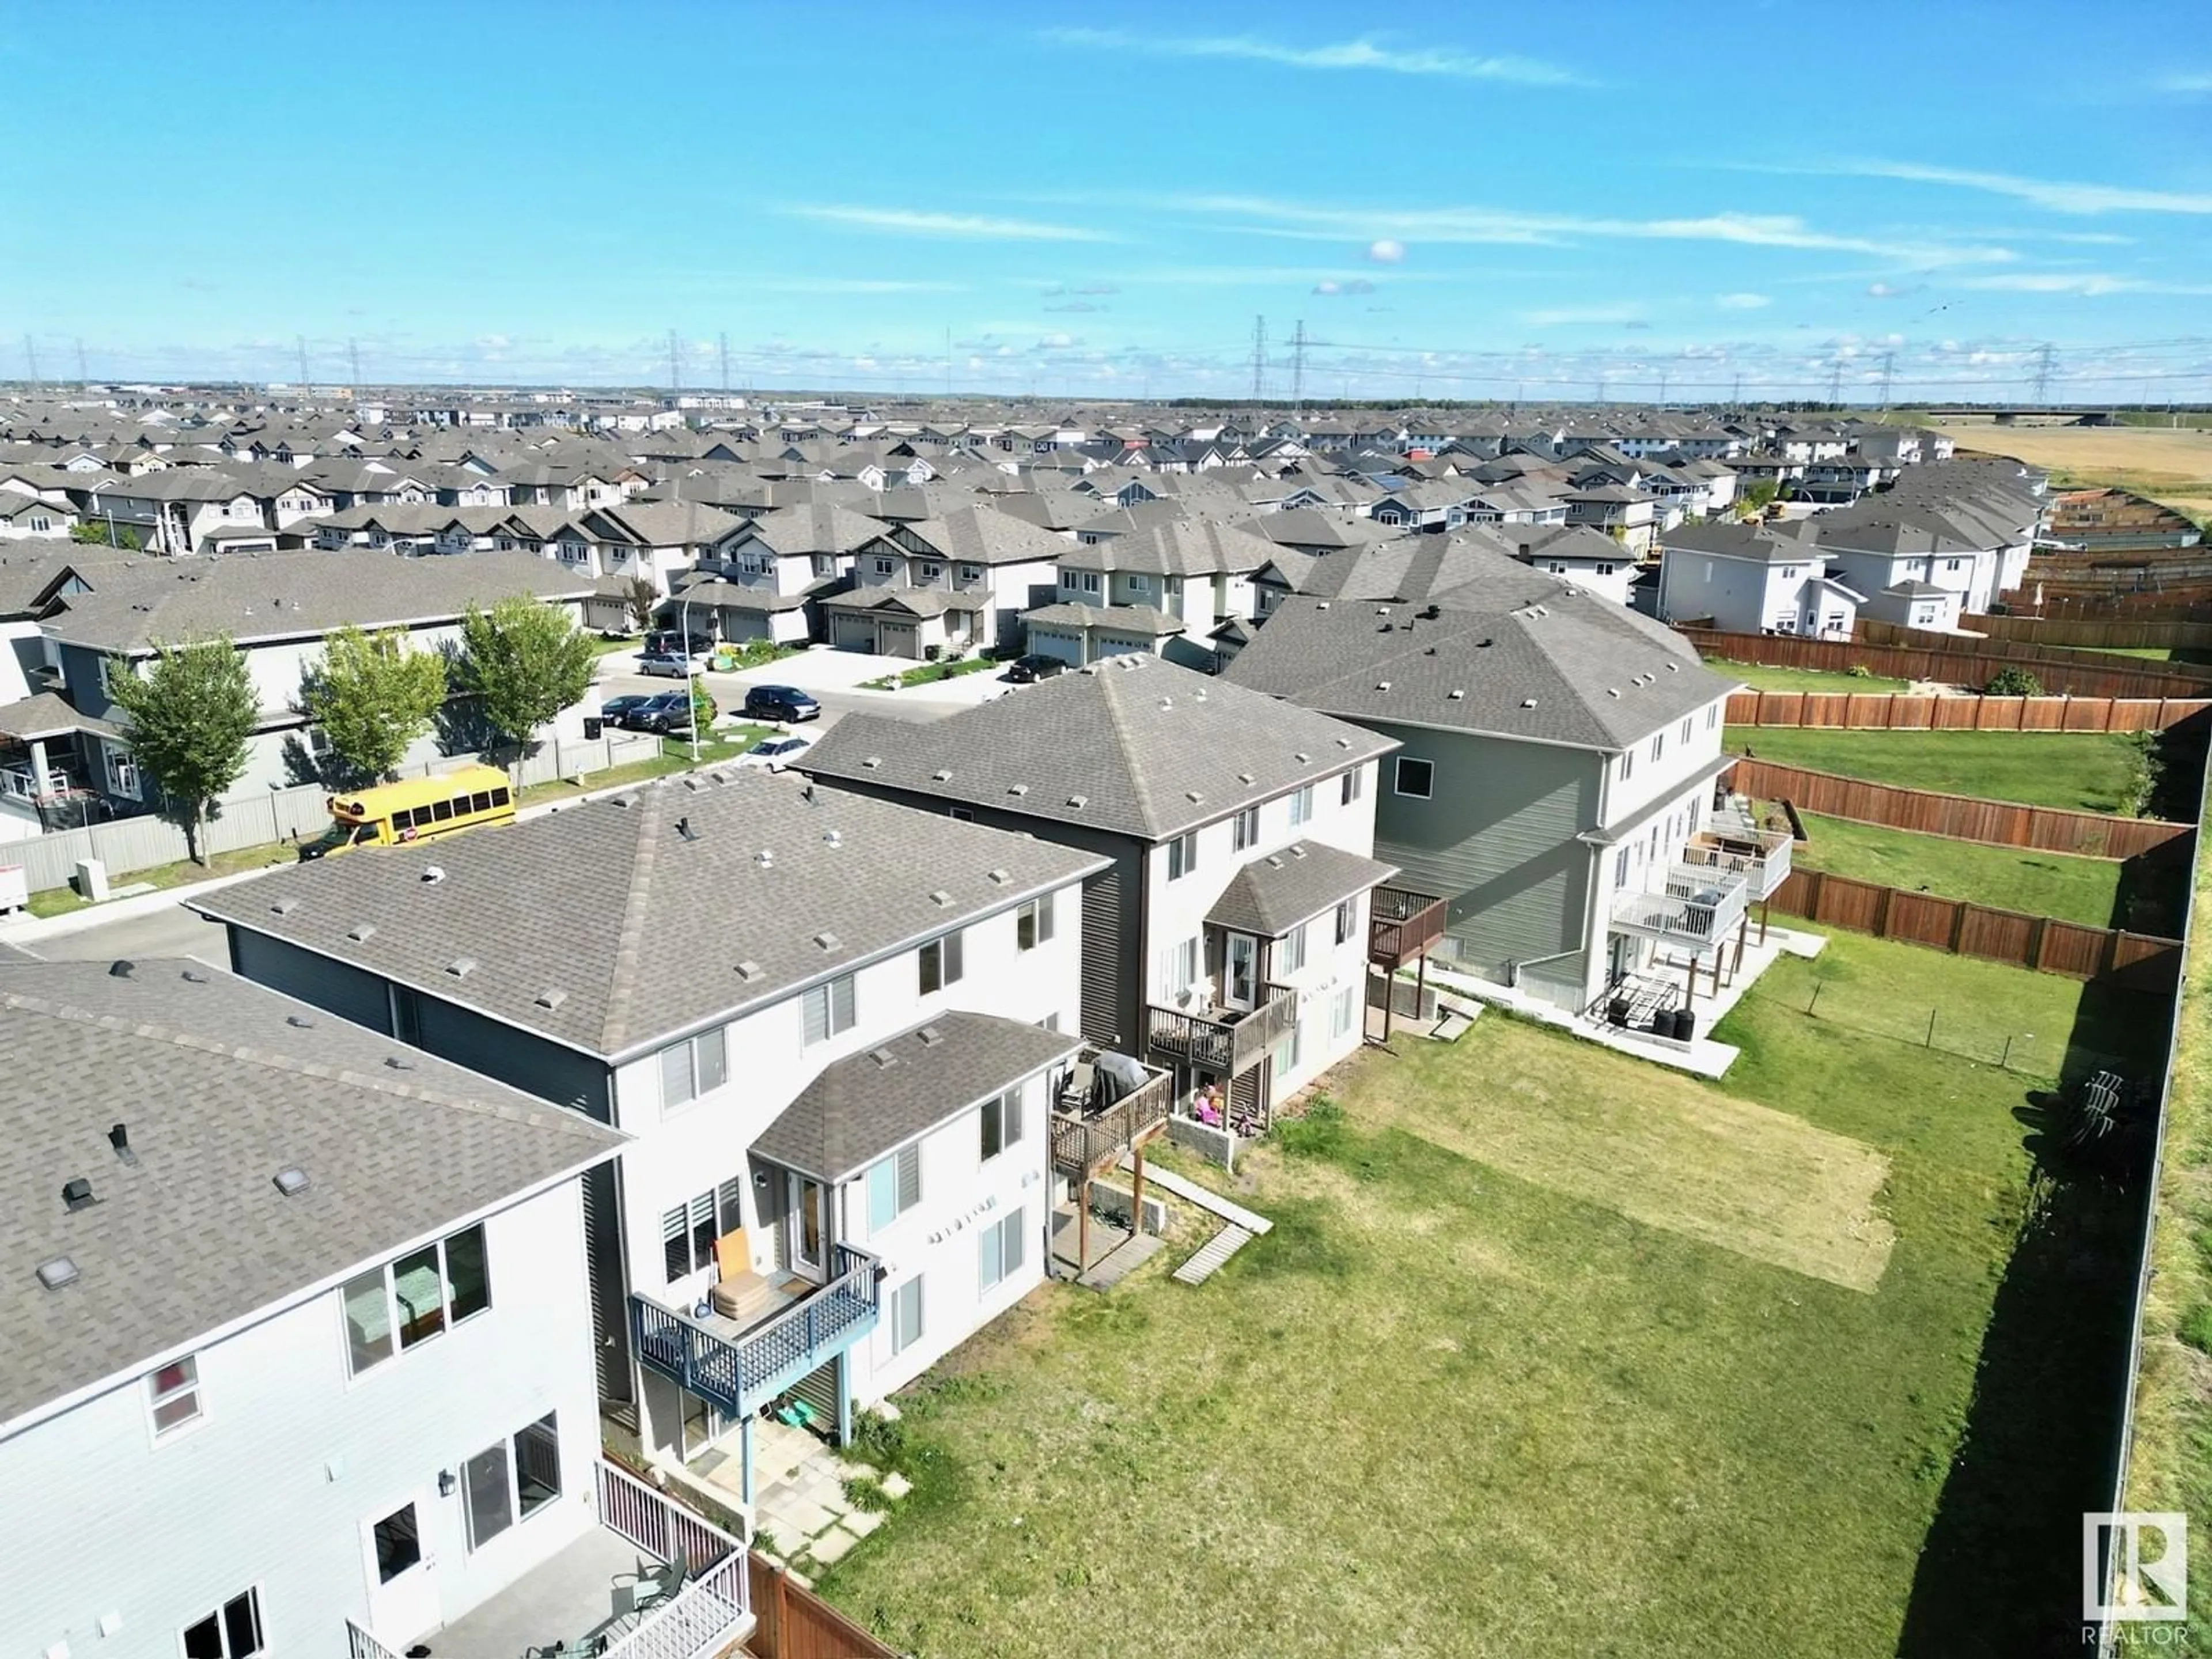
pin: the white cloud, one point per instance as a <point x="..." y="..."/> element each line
<point x="1386" y="252"/>
<point x="1584" y="316"/>
<point x="1056" y="342"/>
<point x="1893" y="291"/>
<point x="2192" y="81"/>
<point x="1365" y="53"/>
<point x="1331" y="287"/>
<point x="1743" y="301"/>
<point x="969" y="226"/>
<point x="2057" y="195"/>
<point x="2087" y="282"/>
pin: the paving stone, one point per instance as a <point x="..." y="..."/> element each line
<point x="887" y="1411"/>
<point x="864" y="1522"/>
<point x="800" y="1519"/>
<point x="800" y="1579"/>
<point x="830" y="1547"/>
<point x="897" y="1484"/>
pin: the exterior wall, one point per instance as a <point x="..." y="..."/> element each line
<point x="276" y="1485"/>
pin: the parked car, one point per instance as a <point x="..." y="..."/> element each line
<point x="1024" y="670"/>
<point x="780" y="702"/>
<point x="669" y="643"/>
<point x="670" y="713"/>
<point x="617" y="711"/>
<point x="669" y="663"/>
<point x="776" y="753"/>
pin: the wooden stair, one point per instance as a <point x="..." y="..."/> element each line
<point x="1212" y="1255"/>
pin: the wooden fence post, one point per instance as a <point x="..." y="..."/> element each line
<point x="1881" y="913"/>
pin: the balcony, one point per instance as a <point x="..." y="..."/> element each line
<point x="1225" y="1041"/>
<point x="693" y="1596"/>
<point x="1698" y="907"/>
<point x="1402" y="924"/>
<point x="1759" y="857"/>
<point x="742" y="1368"/>
<point x="1087" y="1140"/>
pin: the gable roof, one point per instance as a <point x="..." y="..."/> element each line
<point x="1274" y="894"/>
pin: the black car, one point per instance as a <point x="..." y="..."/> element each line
<point x="780" y="702"/>
<point x="1024" y="670"/>
<point x="669" y="643"/>
<point x="619" y="712"/>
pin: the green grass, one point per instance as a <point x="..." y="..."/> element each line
<point x="2041" y="884"/>
<point x="1762" y="677"/>
<point x="2089" y="772"/>
<point x="60" y="901"/>
<point x="1518" y="1371"/>
<point x="607" y="647"/>
<point x="929" y="673"/>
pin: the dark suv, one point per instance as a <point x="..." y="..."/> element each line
<point x="786" y="703"/>
<point x="669" y="713"/>
<point x="669" y="643"/>
<point x="1023" y="669"/>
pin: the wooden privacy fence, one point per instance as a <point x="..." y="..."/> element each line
<point x="2107" y="634"/>
<point x="1902" y="711"/>
<point x="1960" y="818"/>
<point x="794" y="1623"/>
<point x="2134" y="961"/>
<point x="2023" y="654"/>
<point x="2132" y="607"/>
<point x="2070" y="676"/>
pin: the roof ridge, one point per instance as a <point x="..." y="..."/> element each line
<point x="631" y="943"/>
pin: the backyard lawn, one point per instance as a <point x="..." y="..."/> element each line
<point x="2089" y="772"/>
<point x="2040" y="883"/>
<point x="1554" y="1351"/>
<point x="1761" y="678"/>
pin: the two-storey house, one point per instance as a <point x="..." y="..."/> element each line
<point x="930" y="586"/>
<point x="1754" y="578"/>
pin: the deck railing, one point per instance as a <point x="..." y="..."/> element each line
<point x="1225" y="1041"/>
<point x="1762" y="860"/>
<point x="743" y="1373"/>
<point x="1080" y="1143"/>
<point x="713" y="1607"/>
<point x="359" y="1644"/>
<point x="1401" y="924"/>
<point x="1700" y="903"/>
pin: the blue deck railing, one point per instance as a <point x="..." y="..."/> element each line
<point x="743" y="1373"/>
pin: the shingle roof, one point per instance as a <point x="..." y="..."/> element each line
<point x="46" y="715"/>
<point x="861" y="1107"/>
<point x="637" y="933"/>
<point x="1132" y="744"/>
<point x="220" y="1084"/>
<point x="1129" y="618"/>
<point x="1274" y="894"/>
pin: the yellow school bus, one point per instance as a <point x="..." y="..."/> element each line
<point x="414" y="810"/>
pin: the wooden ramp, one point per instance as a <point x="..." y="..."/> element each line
<point x="1211" y="1256"/>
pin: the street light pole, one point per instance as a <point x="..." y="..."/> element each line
<point x="684" y="627"/>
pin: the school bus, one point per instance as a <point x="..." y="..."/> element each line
<point x="414" y="810"/>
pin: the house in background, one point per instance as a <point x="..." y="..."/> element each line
<point x="300" y="1333"/>
<point x="1754" y="578"/>
<point x="766" y="581"/>
<point x="842" y="1090"/>
<point x="1575" y="553"/>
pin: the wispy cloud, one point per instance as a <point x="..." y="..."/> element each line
<point x="2087" y="283"/>
<point x="1584" y="316"/>
<point x="1894" y="290"/>
<point x="1330" y="288"/>
<point x="971" y="227"/>
<point x="2188" y="82"/>
<point x="1367" y="52"/>
<point x="1743" y="301"/>
<point x="2057" y="195"/>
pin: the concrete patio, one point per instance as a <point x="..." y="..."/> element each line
<point x="800" y="1506"/>
<point x="575" y="1595"/>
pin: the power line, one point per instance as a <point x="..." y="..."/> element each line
<point x="300" y="341"/>
<point x="675" y="369"/>
<point x="2042" y="393"/>
<point x="722" y="343"/>
<point x="1662" y="388"/>
<point x="1836" y="383"/>
<point x="1258" y="356"/>
<point x="353" y="357"/>
<point x="1298" y="367"/>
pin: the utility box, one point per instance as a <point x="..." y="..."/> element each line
<point x="92" y="880"/>
<point x="14" y="889"/>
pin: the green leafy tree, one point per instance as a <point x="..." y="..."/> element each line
<point x="373" y="696"/>
<point x="2013" y="681"/>
<point x="96" y="532"/>
<point x="524" y="661"/>
<point x="190" y="719"/>
<point x="641" y="597"/>
<point x="1754" y="498"/>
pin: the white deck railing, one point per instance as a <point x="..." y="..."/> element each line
<point x="715" y="1603"/>
<point x="359" y="1644"/>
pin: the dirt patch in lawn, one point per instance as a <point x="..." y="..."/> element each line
<point x="1658" y="1147"/>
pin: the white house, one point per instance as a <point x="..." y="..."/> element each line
<point x="1754" y="578"/>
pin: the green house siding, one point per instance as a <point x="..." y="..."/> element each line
<point x="1496" y="839"/>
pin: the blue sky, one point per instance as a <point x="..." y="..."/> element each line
<point x="1541" y="202"/>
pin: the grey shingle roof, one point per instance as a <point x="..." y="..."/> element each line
<point x="1132" y="744"/>
<point x="1572" y="669"/>
<point x="862" y="1106"/>
<point x="46" y="715"/>
<point x="641" y="931"/>
<point x="1272" y="895"/>
<point x="219" y="1089"/>
<point x="1129" y="618"/>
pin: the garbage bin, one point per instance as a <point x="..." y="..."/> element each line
<point x="1616" y="1011"/>
<point x="593" y="725"/>
<point x="1686" y="1025"/>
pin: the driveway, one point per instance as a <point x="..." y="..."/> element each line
<point x="833" y="679"/>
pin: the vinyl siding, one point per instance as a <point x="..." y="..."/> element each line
<point x="336" y="986"/>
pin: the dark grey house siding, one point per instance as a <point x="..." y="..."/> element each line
<point x="84" y="672"/>
<point x="336" y="986"/>
<point x="515" y="1058"/>
<point x="1496" y="839"/>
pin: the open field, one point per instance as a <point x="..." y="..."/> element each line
<point x="2041" y="884"/>
<point x="1514" y="1375"/>
<point x="2171" y="465"/>
<point x="1761" y="678"/>
<point x="2087" y="772"/>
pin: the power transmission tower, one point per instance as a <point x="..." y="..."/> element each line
<point x="2042" y="393"/>
<point x="1662" y="388"/>
<point x="722" y="344"/>
<point x="1888" y="369"/>
<point x="83" y="374"/>
<point x="353" y="357"/>
<point x="31" y="362"/>
<point x="300" y="341"/>
<point x="675" y="368"/>
<point x="1601" y="388"/>
<point x="1258" y="356"/>
<point x="1298" y="367"/>
<point x="1836" y="384"/>
<point x="1735" y="394"/>
<point x="948" y="365"/>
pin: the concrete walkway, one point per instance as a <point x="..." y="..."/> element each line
<point x="798" y="1490"/>
<point x="1204" y="1198"/>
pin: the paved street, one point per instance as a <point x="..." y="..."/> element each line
<point x="831" y="678"/>
<point x="175" y="932"/>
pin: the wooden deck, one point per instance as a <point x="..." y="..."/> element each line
<point x="1223" y="1041"/>
<point x="1402" y="924"/>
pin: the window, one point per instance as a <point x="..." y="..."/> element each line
<point x="1140" y="584"/>
<point x="1291" y="950"/>
<point x="1182" y="855"/>
<point x="1347" y="919"/>
<point x="930" y="573"/>
<point x="1343" y="1009"/>
<point x="398" y="1543"/>
<point x="695" y="1066"/>
<point x="406" y="1015"/>
<point x="893" y="1187"/>
<point x="173" y="1392"/>
<point x="231" y="1631"/>
<point x="1417" y="778"/>
<point x="512" y="1480"/>
<point x="971" y="573"/>
<point x="1182" y="966"/>
<point x="906" y="1315"/>
<point x="1002" y="1123"/>
<point x="1033" y="922"/>
<point x="1621" y="868"/>
<point x="415" y="1298"/>
<point x="1090" y="581"/>
<point x="688" y="1232"/>
<point x="940" y="962"/>
<point x="1604" y="567"/>
<point x="884" y="566"/>
<point x="1712" y="717"/>
<point x="1286" y="1058"/>
<point x="1001" y="1249"/>
<point x="1302" y="804"/>
<point x="1352" y="785"/>
<point x="1658" y="746"/>
<point x="1246" y="829"/>
<point x="828" y="1010"/>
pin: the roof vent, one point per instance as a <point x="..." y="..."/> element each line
<point x="873" y="762"/>
<point x="76" y="1195"/>
<point x="300" y="1022"/>
<point x="1192" y="797"/>
<point x="1382" y="685"/>
<point x="119" y="1138"/>
<point x="291" y="1180"/>
<point x="884" y="1058"/>
<point x="931" y="1035"/>
<point x="1528" y="703"/>
<point x="461" y="967"/>
<point x="1455" y="694"/>
<point x="434" y="873"/>
<point x="942" y="775"/>
<point x="1078" y="800"/>
<point x="827" y="941"/>
<point x="362" y="933"/>
<point x="551" y="997"/>
<point x="1243" y="777"/>
<point x="749" y="970"/>
<point x="1320" y="605"/>
<point x="833" y="837"/>
<point x="940" y="898"/>
<point x="1301" y="756"/>
<point x="1199" y="695"/>
<point x="1167" y="702"/>
<point x="684" y="831"/>
<point x="57" y="1272"/>
<point x="194" y="976"/>
<point x="997" y="877"/>
<point x="283" y="907"/>
<point x="625" y="801"/>
<point x="765" y="857"/>
<point x="398" y="1063"/>
<point x="1018" y="789"/>
<point x="1612" y="691"/>
<point x="1674" y="668"/>
<point x="121" y="967"/>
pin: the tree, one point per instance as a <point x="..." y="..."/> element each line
<point x="524" y="661"/>
<point x="641" y="596"/>
<point x="96" y="532"/>
<point x="1754" y="497"/>
<point x="190" y="719"/>
<point x="372" y="697"/>
<point x="2013" y="681"/>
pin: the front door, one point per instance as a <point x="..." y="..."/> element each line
<point x="808" y="1225"/>
<point x="1240" y="982"/>
<point x="403" y="1582"/>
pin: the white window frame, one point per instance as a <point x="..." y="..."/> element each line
<point x="1347" y="920"/>
<point x="1343" y="1011"/>
<point x="251" y="1597"/>
<point x="1302" y="804"/>
<point x="1033" y="920"/>
<point x="386" y="1272"/>
<point x="516" y="1515"/>
<point x="1398" y="781"/>
<point x="695" y="1051"/>
<point x="893" y="1184"/>
<point x="906" y="1296"/>
<point x="186" y="1389"/>
<point x="838" y="1000"/>
<point x="1182" y="855"/>
<point x="951" y="962"/>
<point x="721" y="1205"/>
<point x="1005" y="1110"/>
<point x="1290" y="952"/>
<point x="1353" y="784"/>
<point x="1002" y="1251"/>
<point x="1245" y="830"/>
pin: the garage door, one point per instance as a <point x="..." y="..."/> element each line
<point x="898" y="640"/>
<point x="1067" y="648"/>
<point x="853" y="633"/>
